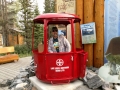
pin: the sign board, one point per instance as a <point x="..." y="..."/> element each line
<point x="66" y="6"/>
<point x="88" y="33"/>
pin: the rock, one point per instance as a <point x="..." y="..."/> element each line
<point x="34" y="88"/>
<point x="108" y="86"/>
<point x="111" y="85"/>
<point x="93" y="80"/>
<point x="94" y="69"/>
<point x="98" y="84"/>
<point x="117" y="87"/>
<point x="106" y="76"/>
<point x="3" y="83"/>
<point x="84" y="87"/>
<point x="21" y="85"/>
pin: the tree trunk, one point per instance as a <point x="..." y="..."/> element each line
<point x="4" y="22"/>
<point x="99" y="21"/>
<point x="88" y="17"/>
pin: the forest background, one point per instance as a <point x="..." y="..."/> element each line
<point x="16" y="17"/>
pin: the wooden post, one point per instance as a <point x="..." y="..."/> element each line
<point x="99" y="21"/>
<point x="79" y="12"/>
<point x="88" y="17"/>
<point x="20" y="39"/>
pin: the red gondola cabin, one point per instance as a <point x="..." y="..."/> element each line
<point x="57" y="67"/>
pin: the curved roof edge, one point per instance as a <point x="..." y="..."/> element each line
<point x="55" y="15"/>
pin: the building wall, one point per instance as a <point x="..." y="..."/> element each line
<point x="15" y="40"/>
<point x="88" y="11"/>
<point x="112" y="22"/>
<point x="1" y="40"/>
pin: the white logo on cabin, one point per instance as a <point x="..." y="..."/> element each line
<point x="59" y="62"/>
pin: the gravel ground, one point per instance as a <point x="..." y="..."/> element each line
<point x="11" y="70"/>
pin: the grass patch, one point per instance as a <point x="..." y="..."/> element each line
<point x="25" y="55"/>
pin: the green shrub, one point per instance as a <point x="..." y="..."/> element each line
<point x="23" y="50"/>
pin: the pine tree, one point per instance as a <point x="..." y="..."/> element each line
<point x="26" y="22"/>
<point x="49" y="6"/>
<point x="3" y="20"/>
<point x="8" y="13"/>
<point x="38" y="31"/>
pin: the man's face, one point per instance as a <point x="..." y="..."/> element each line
<point x="55" y="33"/>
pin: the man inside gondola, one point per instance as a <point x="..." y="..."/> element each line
<point x="58" y="43"/>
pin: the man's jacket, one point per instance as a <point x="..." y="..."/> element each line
<point x="64" y="45"/>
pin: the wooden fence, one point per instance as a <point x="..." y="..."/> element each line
<point x="17" y="39"/>
<point x="92" y="11"/>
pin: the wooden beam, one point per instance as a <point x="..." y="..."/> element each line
<point x="99" y="21"/>
<point x="79" y="12"/>
<point x="88" y="17"/>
